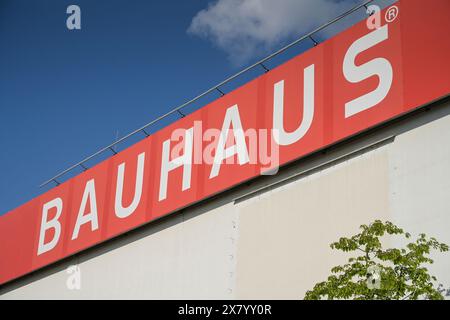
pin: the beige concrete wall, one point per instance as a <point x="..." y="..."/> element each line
<point x="285" y="234"/>
<point x="419" y="180"/>
<point x="274" y="243"/>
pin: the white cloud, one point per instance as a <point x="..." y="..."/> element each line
<point x="245" y="29"/>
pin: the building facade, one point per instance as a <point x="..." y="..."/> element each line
<point x="268" y="237"/>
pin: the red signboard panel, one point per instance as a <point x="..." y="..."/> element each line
<point x="387" y="53"/>
<point x="89" y="198"/>
<point x="289" y="80"/>
<point x="350" y="83"/>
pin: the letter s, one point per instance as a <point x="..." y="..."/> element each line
<point x="380" y="67"/>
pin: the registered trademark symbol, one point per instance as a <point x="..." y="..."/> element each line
<point x="392" y="14"/>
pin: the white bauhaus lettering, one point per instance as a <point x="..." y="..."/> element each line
<point x="50" y="224"/>
<point x="282" y="137"/>
<point x="168" y="165"/>
<point x="380" y="67"/>
<point x="92" y="216"/>
<point x="232" y="119"/>
<point x="122" y="212"/>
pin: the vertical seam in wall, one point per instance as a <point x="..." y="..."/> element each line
<point x="232" y="253"/>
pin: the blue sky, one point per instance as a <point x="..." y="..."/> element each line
<point x="64" y="94"/>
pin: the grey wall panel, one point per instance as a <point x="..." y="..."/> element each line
<point x="419" y="174"/>
<point x="285" y="234"/>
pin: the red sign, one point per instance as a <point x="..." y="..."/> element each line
<point x="352" y="82"/>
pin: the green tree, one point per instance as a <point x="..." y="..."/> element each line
<point x="378" y="273"/>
